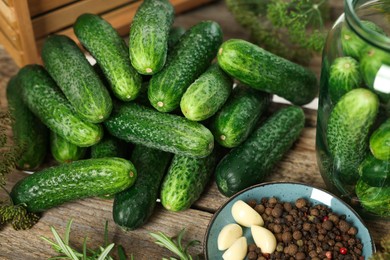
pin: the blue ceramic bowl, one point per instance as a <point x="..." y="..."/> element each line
<point x="286" y="192"/>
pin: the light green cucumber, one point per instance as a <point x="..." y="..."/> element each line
<point x="64" y="151"/>
<point x="380" y="141"/>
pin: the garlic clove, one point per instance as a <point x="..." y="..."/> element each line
<point x="264" y="239"/>
<point x="237" y="251"/>
<point x="228" y="235"/>
<point x="245" y="215"/>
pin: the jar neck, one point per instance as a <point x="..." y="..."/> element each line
<point x="353" y="20"/>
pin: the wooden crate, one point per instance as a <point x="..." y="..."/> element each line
<point x="24" y="24"/>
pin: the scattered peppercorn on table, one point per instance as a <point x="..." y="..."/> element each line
<point x="89" y="215"/>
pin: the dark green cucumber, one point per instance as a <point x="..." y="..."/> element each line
<point x="134" y="206"/>
<point x="148" y="39"/>
<point x="375" y="172"/>
<point x="29" y="133"/>
<point x="70" y="69"/>
<point x="56" y="185"/>
<point x="347" y="132"/>
<point x="207" y="94"/>
<point x="238" y="117"/>
<point x="111" y="53"/>
<point x="250" y="162"/>
<point x="265" y="71"/>
<point x="344" y="75"/>
<point x="175" y="34"/>
<point x="185" y="181"/>
<point x="171" y="133"/>
<point x="41" y="94"/>
<point x="380" y="141"/>
<point x="190" y="58"/>
<point x="110" y="146"/>
<point x="64" y="151"/>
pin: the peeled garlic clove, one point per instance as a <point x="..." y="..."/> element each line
<point x="245" y="215"/>
<point x="237" y="251"/>
<point x="228" y="235"/>
<point x="264" y="239"/>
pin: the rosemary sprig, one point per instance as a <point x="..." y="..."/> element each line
<point x="174" y="245"/>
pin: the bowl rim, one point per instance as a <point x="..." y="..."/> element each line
<point x="216" y="213"/>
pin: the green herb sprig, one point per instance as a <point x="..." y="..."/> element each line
<point x="383" y="254"/>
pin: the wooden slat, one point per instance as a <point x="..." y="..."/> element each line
<point x="42" y="6"/>
<point x="64" y="17"/>
<point x="184" y="5"/>
<point x="12" y="51"/>
<point x="8" y="12"/>
<point x="10" y="33"/>
<point x="9" y="2"/>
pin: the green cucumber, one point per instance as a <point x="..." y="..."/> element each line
<point x="29" y="133"/>
<point x="185" y="181"/>
<point x="46" y="101"/>
<point x="64" y="151"/>
<point x="238" y="117"/>
<point x="175" y="34"/>
<point x="344" y="75"/>
<point x="190" y="58"/>
<point x="374" y="199"/>
<point x="267" y="72"/>
<point x="352" y="43"/>
<point x="380" y="141"/>
<point x="148" y="39"/>
<point x="347" y="132"/>
<point x="133" y="207"/>
<point x="250" y="162"/>
<point x="207" y="94"/>
<point x="111" y="53"/>
<point x="110" y="146"/>
<point x="70" y="69"/>
<point x="171" y="133"/>
<point x="56" y="185"/>
<point x="375" y="172"/>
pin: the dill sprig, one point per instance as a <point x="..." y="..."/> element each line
<point x="293" y="29"/>
<point x="384" y="254"/>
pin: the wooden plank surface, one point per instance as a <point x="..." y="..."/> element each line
<point x="89" y="215"/>
<point x="42" y="6"/>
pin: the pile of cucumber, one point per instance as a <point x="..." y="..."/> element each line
<point x="152" y="119"/>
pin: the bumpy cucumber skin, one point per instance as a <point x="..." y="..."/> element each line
<point x="111" y="53"/>
<point x="110" y="146"/>
<point x="47" y="102"/>
<point x="190" y="58"/>
<point x="380" y="141"/>
<point x="70" y="69"/>
<point x="56" y="185"/>
<point x="185" y="181"/>
<point x="64" y="151"/>
<point x="171" y="133"/>
<point x="265" y="71"/>
<point x="148" y="39"/>
<point x="250" y="162"/>
<point x="207" y="94"/>
<point x="133" y="207"/>
<point x="347" y="132"/>
<point x="344" y="75"/>
<point x="29" y="133"/>
<point x="375" y="172"/>
<point x="368" y="198"/>
<point x="238" y="117"/>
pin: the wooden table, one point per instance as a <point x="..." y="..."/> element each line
<point x="90" y="215"/>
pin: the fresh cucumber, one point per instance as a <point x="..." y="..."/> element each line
<point x="190" y="58"/>
<point x="374" y="199"/>
<point x="175" y="34"/>
<point x="46" y="101"/>
<point x="347" y="132"/>
<point x="56" y="185"/>
<point x="344" y="75"/>
<point x="134" y="206"/>
<point x="111" y="53"/>
<point x="185" y="181"/>
<point x="148" y="39"/>
<point x="207" y="94"/>
<point x="110" y="146"/>
<point x="171" y="133"/>
<point x="29" y="133"/>
<point x="267" y="72"/>
<point x="70" y="69"/>
<point x="250" y="162"/>
<point x="238" y="117"/>
<point x="64" y="151"/>
<point x="380" y="141"/>
<point x="375" y="172"/>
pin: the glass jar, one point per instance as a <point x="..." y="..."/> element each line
<point x="353" y="120"/>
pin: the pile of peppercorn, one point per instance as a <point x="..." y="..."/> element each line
<point x="305" y="231"/>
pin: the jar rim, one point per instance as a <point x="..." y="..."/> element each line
<point x="374" y="38"/>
